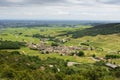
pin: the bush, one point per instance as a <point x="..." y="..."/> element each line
<point x="7" y="74"/>
<point x="71" y="54"/>
<point x="38" y="36"/>
<point x="54" y="44"/>
<point x="86" y="44"/>
<point x="15" y="52"/>
<point x="80" y="53"/>
<point x="94" y="55"/>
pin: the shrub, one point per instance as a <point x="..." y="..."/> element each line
<point x="80" y="53"/>
<point x="71" y="54"/>
<point x="54" y="44"/>
<point x="94" y="55"/>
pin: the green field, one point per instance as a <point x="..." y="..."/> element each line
<point x="29" y="53"/>
<point x="109" y="42"/>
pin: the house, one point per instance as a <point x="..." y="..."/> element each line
<point x="72" y="63"/>
<point x="113" y="66"/>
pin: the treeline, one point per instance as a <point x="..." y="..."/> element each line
<point x="80" y="54"/>
<point x="97" y="30"/>
<point x="112" y="56"/>
<point x="47" y="37"/>
<point x="43" y="36"/>
<point x="38" y="36"/>
<point x="16" y="66"/>
<point x="11" y="44"/>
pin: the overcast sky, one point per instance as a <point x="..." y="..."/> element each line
<point x="60" y="9"/>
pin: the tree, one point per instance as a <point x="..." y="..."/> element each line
<point x="94" y="55"/>
<point x="80" y="53"/>
<point x="54" y="44"/>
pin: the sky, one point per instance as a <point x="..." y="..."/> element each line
<point x="60" y="9"/>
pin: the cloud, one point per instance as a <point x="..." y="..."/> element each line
<point x="60" y="9"/>
<point x="28" y="2"/>
<point x="56" y="2"/>
<point x="110" y="1"/>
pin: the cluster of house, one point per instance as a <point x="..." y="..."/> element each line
<point x="65" y="50"/>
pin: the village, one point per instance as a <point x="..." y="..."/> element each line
<point x="67" y="50"/>
<point x="60" y="49"/>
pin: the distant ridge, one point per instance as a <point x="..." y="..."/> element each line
<point x="47" y="23"/>
<point x="103" y="29"/>
<point x="108" y="25"/>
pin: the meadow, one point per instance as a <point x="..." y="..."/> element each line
<point x="108" y="43"/>
<point x="83" y="52"/>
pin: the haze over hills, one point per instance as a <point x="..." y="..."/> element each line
<point x="33" y="23"/>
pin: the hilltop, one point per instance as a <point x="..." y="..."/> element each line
<point x="104" y="29"/>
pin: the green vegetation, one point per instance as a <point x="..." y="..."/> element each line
<point x="98" y="30"/>
<point x="80" y="53"/>
<point x="26" y="53"/>
<point x="11" y="45"/>
<point x="38" y="36"/>
<point x="16" y="66"/>
<point x="54" y="44"/>
<point x="112" y="56"/>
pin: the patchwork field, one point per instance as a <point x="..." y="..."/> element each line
<point x="104" y="44"/>
<point x="60" y="53"/>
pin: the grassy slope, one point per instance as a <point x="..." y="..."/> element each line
<point x="109" y="42"/>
